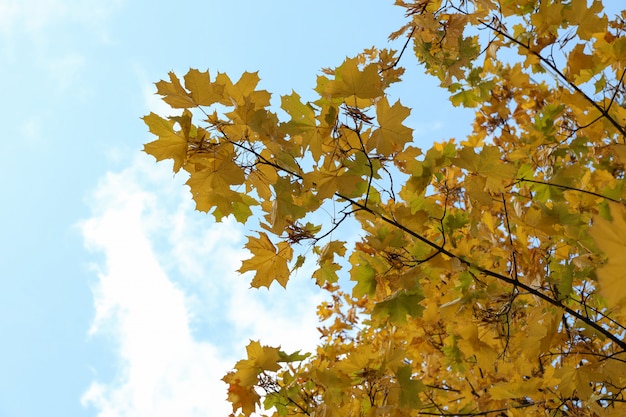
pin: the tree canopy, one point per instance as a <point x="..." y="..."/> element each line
<point x="489" y="274"/>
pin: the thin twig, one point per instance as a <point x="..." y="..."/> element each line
<point x="397" y="61"/>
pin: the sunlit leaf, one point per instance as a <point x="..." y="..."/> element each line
<point x="269" y="262"/>
<point x="610" y="236"/>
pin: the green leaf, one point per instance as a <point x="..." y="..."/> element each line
<point x="399" y="306"/>
<point x="409" y="388"/>
<point x="293" y="357"/>
<point x="364" y="275"/>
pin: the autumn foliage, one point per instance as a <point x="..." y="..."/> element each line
<point x="490" y="271"/>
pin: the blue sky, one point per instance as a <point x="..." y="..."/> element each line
<point x="116" y="298"/>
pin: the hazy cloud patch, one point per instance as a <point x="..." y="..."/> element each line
<point x="166" y="272"/>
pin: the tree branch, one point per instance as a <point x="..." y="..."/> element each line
<point x="604" y="112"/>
<point x="484" y="271"/>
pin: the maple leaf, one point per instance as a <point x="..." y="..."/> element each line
<point x="269" y="262"/>
<point x="174" y="93"/>
<point x="518" y="388"/>
<point x="293" y="357"/>
<point x="610" y="237"/>
<point x="576" y="379"/>
<point x="488" y="164"/>
<point x="169" y="145"/>
<point x="580" y="65"/>
<point x="243" y="90"/>
<point x="284" y="209"/>
<point x="477" y="344"/>
<point x="203" y="92"/>
<point x="210" y="184"/>
<point x="244" y="398"/>
<point x="261" y="357"/>
<point x="303" y="123"/>
<point x="364" y="275"/>
<point x="391" y="135"/>
<point x="409" y="388"/>
<point x="350" y="81"/>
<point x="586" y="17"/>
<point x="400" y="305"/>
<point x="327" y="271"/>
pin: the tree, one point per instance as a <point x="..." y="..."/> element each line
<point x="489" y="275"/>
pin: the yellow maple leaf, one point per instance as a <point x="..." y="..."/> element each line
<point x="610" y="237"/>
<point x="243" y="90"/>
<point x="488" y="164"/>
<point x="581" y="65"/>
<point x="203" y="92"/>
<point x="174" y="94"/>
<point x="577" y="379"/>
<point x="328" y="268"/>
<point x="242" y="380"/>
<point x="587" y="18"/>
<point x="351" y="81"/>
<point x="169" y="144"/>
<point x="268" y="261"/>
<point x="517" y="388"/>
<point x="262" y="357"/>
<point x="392" y="135"/>
<point x="304" y="124"/>
<point x="244" y="398"/>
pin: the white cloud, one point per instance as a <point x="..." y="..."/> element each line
<point x="166" y="273"/>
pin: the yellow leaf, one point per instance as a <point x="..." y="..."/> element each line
<point x="268" y="261"/>
<point x="351" y="81"/>
<point x="244" y="398"/>
<point x="327" y="271"/>
<point x="203" y="92"/>
<point x="174" y="93"/>
<point x="169" y="144"/>
<point x="392" y="135"/>
<point x="212" y="176"/>
<point x="516" y="389"/>
<point x="243" y="90"/>
<point x="304" y="124"/>
<point x="488" y="164"/>
<point x="587" y="18"/>
<point x="241" y="382"/>
<point x="581" y="65"/>
<point x="263" y="357"/>
<point x="406" y="160"/>
<point x="577" y="379"/>
<point x="489" y="221"/>
<point x="476" y="344"/>
<point x="610" y="237"/>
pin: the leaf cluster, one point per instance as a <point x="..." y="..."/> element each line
<point x="488" y="277"/>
